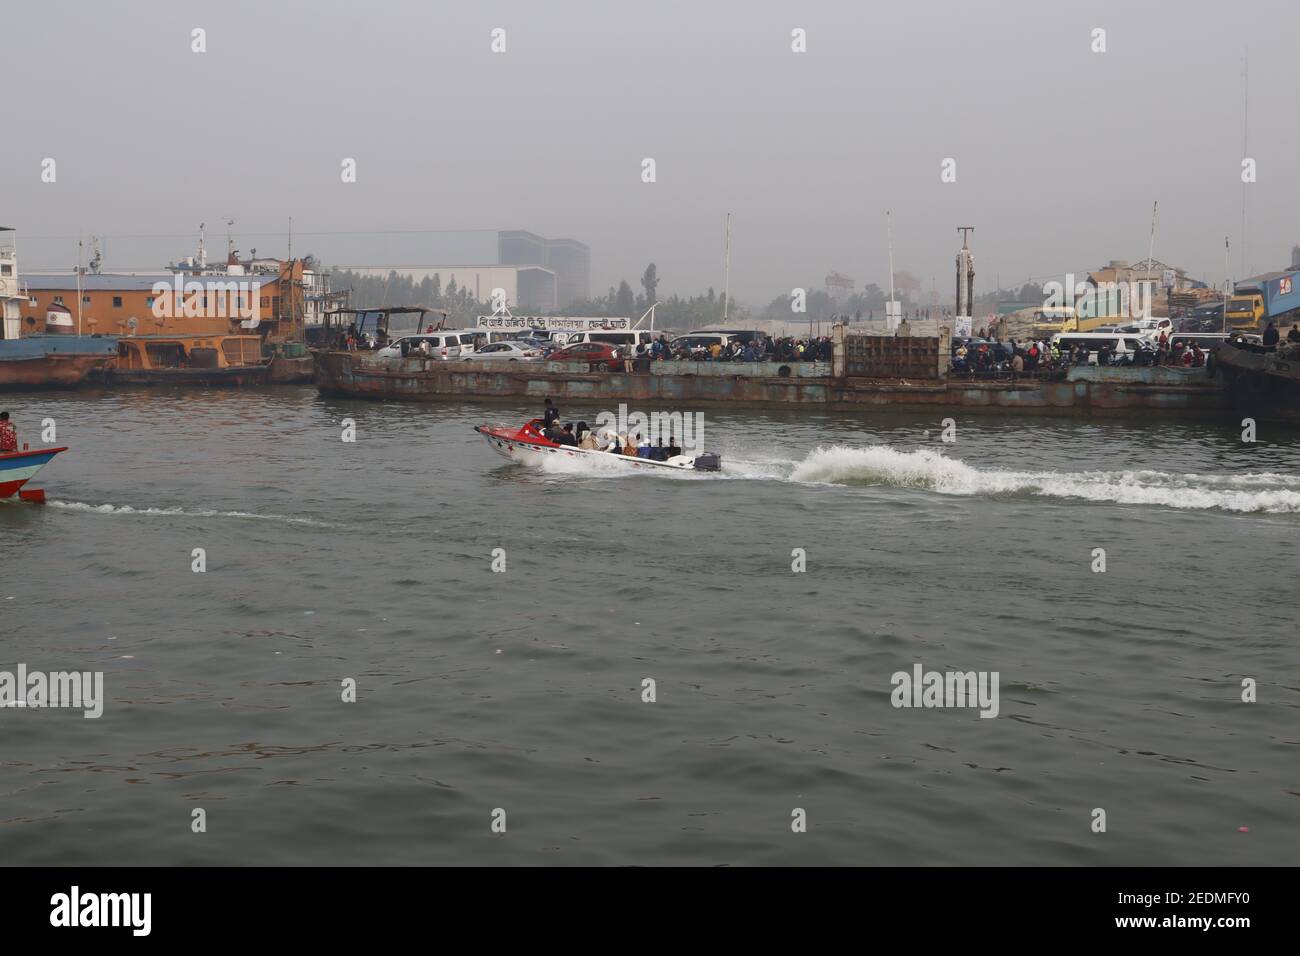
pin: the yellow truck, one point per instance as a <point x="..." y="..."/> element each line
<point x="1053" y="320"/>
<point x="1272" y="297"/>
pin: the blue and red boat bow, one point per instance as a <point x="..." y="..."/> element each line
<point x="19" y="467"/>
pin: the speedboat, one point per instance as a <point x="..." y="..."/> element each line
<point x="528" y="446"/>
<point x="19" y="467"/>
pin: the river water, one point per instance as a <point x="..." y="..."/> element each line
<point x="518" y="695"/>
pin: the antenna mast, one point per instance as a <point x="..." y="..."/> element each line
<point x="726" y="277"/>
<point x="889" y="231"/>
<point x="1151" y="250"/>
<point x="1245" y="134"/>
<point x="79" y="272"/>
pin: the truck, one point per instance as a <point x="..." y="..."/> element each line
<point x="1271" y="297"/>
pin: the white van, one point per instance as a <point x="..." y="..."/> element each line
<point x="442" y="345"/>
<point x="1120" y="344"/>
<point x="697" y="340"/>
<point x="1151" y="327"/>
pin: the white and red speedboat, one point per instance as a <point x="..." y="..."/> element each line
<point x="528" y="446"/>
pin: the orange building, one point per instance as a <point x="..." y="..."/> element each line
<point x="172" y="303"/>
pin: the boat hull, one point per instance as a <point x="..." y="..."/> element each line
<point x="1264" y="385"/>
<point x="525" y="446"/>
<point x="50" y="371"/>
<point x="229" y="377"/>
<point x="291" y="371"/>
<point x="19" y="467"/>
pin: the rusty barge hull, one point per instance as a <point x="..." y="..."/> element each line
<point x="357" y="375"/>
<point x="291" y="371"/>
<point x="1094" y="392"/>
<point x="1262" y="385"/>
<point x="229" y="377"/>
<point x="50" y="371"/>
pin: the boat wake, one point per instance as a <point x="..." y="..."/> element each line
<point x="1264" y="492"/>
<point x="179" y="512"/>
<point x="929" y="470"/>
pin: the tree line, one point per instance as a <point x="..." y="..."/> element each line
<point x="681" y="313"/>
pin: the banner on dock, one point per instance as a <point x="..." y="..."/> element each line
<point x="553" y="323"/>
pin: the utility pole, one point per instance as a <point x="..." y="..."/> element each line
<point x="1227" y="283"/>
<point x="1151" y="251"/>
<point x="965" y="277"/>
<point x="1245" y="138"/>
<point x="79" y="271"/>
<point x="726" y="276"/>
<point x="889" y="230"/>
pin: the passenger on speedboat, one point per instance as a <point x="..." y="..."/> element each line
<point x="551" y="414"/>
<point x="8" y="434"/>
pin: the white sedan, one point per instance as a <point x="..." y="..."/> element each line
<point x="505" y="352"/>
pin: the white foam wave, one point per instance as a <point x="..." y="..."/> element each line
<point x="109" y="509"/>
<point x="926" y="469"/>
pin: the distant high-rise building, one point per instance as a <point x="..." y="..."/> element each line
<point x="518" y="247"/>
<point x="569" y="259"/>
<point x="535" y="272"/>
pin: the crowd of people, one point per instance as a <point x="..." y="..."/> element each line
<point x="1040" y="356"/>
<point x="633" y="445"/>
<point x="763" y="349"/>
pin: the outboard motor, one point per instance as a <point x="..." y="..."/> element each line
<point x="708" y="463"/>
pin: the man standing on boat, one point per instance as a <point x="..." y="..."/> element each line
<point x="550" y="415"/>
<point x="8" y="435"/>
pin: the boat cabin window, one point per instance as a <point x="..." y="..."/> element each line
<point x="166" y="356"/>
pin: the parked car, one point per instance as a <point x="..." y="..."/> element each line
<point x="514" y="351"/>
<point x="599" y="355"/>
<point x="1122" y="345"/>
<point x="442" y="345"/>
<point x="539" y="342"/>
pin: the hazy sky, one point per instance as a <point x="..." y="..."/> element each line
<point x="1060" y="151"/>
